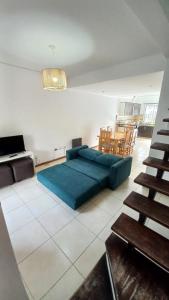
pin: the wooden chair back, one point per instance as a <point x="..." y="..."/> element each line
<point x="104" y="139"/>
<point x="129" y="136"/>
<point x="105" y="136"/>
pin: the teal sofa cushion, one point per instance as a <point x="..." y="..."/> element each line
<point x="89" y="153"/>
<point x="73" y="153"/>
<point x="107" y="160"/>
<point x="91" y="169"/>
<point x="70" y="185"/>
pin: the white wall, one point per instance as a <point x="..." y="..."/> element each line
<point x="49" y="119"/>
<point x="163" y="112"/>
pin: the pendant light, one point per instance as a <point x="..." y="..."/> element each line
<point x="54" y="78"/>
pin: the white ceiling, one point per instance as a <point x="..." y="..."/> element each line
<point x="87" y="34"/>
<point x="149" y="84"/>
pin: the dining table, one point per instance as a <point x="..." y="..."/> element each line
<point x="116" y="136"/>
<point x="115" y="139"/>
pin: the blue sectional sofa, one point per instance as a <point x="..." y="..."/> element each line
<point x="85" y="172"/>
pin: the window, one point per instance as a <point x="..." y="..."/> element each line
<point x="129" y="109"/>
<point x="136" y="109"/>
<point x="150" y="111"/>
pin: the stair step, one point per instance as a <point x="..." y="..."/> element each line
<point x="134" y="276"/>
<point x="96" y="285"/>
<point x="166" y="120"/>
<point x="163" y="132"/>
<point x="149" y="181"/>
<point x="150" y="243"/>
<point x="157" y="163"/>
<point x="150" y="208"/>
<point x="160" y="146"/>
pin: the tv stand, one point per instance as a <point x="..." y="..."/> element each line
<point x="10" y="157"/>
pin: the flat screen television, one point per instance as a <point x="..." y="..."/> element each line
<point x="11" y="145"/>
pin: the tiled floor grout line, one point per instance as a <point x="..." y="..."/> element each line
<point x="25" y="284"/>
<point x="85" y="250"/>
<point x="111" y="216"/>
<point x="24" y="204"/>
<point x="72" y="263"/>
<point x="88" y="227"/>
<point x="108" y="223"/>
<point x="20" y="262"/>
<point x="54" y="284"/>
<point x="10" y="234"/>
<point x="51" y="236"/>
<point x="6" y="213"/>
<point x="36" y="219"/>
<point x="81" y="252"/>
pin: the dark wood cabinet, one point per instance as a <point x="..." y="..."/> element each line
<point x="145" y="131"/>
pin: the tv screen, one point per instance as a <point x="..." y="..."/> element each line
<point x="11" y="145"/>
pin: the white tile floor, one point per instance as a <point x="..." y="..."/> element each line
<point x="57" y="247"/>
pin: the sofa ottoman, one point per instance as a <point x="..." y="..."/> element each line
<point x="22" y="168"/>
<point x="71" y="186"/>
<point x="6" y="176"/>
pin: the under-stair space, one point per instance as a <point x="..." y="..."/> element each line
<point x="137" y="257"/>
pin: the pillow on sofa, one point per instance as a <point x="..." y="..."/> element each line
<point x="107" y="160"/>
<point x="89" y="153"/>
<point x="73" y="153"/>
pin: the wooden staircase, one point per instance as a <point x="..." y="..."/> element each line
<point x="137" y="256"/>
<point x="152" y="209"/>
<point x="163" y="132"/>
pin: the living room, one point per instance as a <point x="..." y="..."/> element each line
<point x="59" y="203"/>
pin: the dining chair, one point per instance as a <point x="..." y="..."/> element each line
<point x="126" y="145"/>
<point x="105" y="144"/>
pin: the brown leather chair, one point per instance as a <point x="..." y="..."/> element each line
<point x="22" y="168"/>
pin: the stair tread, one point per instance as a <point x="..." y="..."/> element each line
<point x="149" y="181"/>
<point x="163" y="132"/>
<point x="157" y="163"/>
<point x="96" y="285"/>
<point x="150" y="243"/>
<point x="160" y="146"/>
<point x="166" y="120"/>
<point x="150" y="208"/>
<point x="134" y="276"/>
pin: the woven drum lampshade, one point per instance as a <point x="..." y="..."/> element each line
<point x="54" y="79"/>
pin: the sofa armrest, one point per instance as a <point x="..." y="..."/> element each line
<point x="73" y="153"/>
<point x="119" y="172"/>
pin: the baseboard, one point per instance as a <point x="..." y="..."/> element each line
<point x="56" y="159"/>
<point x="50" y="161"/>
